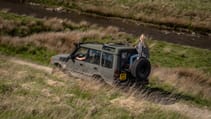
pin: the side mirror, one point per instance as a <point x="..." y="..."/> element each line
<point x="72" y="57"/>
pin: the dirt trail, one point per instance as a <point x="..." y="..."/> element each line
<point x="35" y="66"/>
<point x="135" y="28"/>
<point x="133" y="103"/>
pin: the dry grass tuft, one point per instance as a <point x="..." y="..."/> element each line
<point x="190" y="81"/>
<point x="194" y="75"/>
<point x="8" y="25"/>
<point x="54" y="23"/>
<point x="54" y="83"/>
<point x="131" y="103"/>
<point x="111" y="30"/>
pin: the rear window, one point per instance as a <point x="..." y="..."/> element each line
<point x="125" y="57"/>
<point x="107" y="60"/>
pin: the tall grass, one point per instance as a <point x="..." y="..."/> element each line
<point x="29" y="93"/>
<point x="189" y="84"/>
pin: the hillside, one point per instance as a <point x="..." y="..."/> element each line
<point x="179" y="84"/>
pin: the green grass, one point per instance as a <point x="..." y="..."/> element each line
<point x="193" y="15"/>
<point x="172" y="55"/>
<point x="18" y="18"/>
<point x="14" y="114"/>
<point x="38" y="54"/>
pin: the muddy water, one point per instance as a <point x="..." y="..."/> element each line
<point x="200" y="41"/>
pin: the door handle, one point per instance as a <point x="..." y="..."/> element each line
<point x="95" y="68"/>
<point x="81" y="64"/>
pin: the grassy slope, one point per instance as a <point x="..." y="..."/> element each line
<point x="28" y="93"/>
<point x="194" y="14"/>
<point x="162" y="54"/>
<point x="172" y="55"/>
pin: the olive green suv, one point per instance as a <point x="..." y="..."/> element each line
<point x="114" y="63"/>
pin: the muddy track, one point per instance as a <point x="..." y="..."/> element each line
<point x="196" y="40"/>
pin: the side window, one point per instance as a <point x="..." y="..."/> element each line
<point x="107" y="60"/>
<point x="94" y="56"/>
<point x="81" y="54"/>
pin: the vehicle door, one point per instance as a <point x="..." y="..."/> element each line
<point x="78" y="62"/>
<point x="93" y="62"/>
<point x="106" y="69"/>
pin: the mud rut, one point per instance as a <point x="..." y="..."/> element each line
<point x="135" y="28"/>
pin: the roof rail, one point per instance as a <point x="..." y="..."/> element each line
<point x="117" y="44"/>
<point x="104" y="44"/>
<point x="80" y="43"/>
<point x="90" y="43"/>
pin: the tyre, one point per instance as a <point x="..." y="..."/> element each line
<point x="141" y="69"/>
<point x="58" y="67"/>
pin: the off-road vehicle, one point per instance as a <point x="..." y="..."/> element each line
<point x="114" y="63"/>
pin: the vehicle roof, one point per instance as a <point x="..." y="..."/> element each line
<point x="111" y="48"/>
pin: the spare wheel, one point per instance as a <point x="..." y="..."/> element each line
<point x="141" y="68"/>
